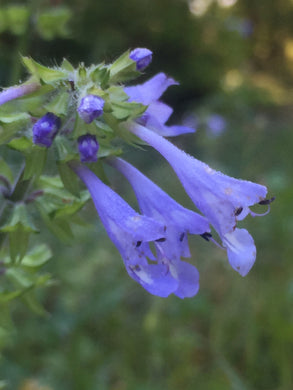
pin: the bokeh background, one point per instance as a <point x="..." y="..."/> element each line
<point x="234" y="62"/>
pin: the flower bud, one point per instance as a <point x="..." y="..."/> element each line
<point x="90" y="108"/>
<point x="88" y="148"/>
<point x="45" y="129"/>
<point x="142" y="57"/>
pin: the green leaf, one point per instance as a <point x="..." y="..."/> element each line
<point x="59" y="104"/>
<point x="105" y="152"/>
<point x="59" y="227"/>
<point x="126" y="110"/>
<point x="21" y="144"/>
<point x="100" y="75"/>
<point x="72" y="208"/>
<point x="68" y="178"/>
<point x="66" y="65"/>
<point x="18" y="243"/>
<point x="7" y="296"/>
<point x="37" y="257"/>
<point x="34" y="162"/>
<point x="19" y="220"/>
<point x="117" y="93"/>
<point x="5" y="170"/>
<point x="20" y="278"/>
<point x="48" y="75"/>
<point x="13" y="117"/>
<point x="123" y="69"/>
<point x="31" y="301"/>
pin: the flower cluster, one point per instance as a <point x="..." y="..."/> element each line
<point x="91" y="109"/>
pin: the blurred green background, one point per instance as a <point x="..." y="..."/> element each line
<point x="234" y="61"/>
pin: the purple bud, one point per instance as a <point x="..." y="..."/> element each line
<point x="45" y="129"/>
<point x="142" y="57"/>
<point x="88" y="148"/>
<point x="90" y="108"/>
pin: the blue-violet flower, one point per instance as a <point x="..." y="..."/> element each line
<point x="178" y="222"/>
<point x="90" y="108"/>
<point x="142" y="57"/>
<point x="88" y="147"/>
<point x="222" y="199"/>
<point x="45" y="129"/>
<point x="130" y="232"/>
<point x="157" y="113"/>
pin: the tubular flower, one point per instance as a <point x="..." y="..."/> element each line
<point x="90" y="108"/>
<point x="88" y="147"/>
<point x="45" y="129"/>
<point x="157" y="113"/>
<point x="178" y="222"/>
<point x="142" y="57"/>
<point x="131" y="233"/>
<point x="222" y="199"/>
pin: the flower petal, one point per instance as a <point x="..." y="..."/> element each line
<point x="188" y="279"/>
<point x="155" y="278"/>
<point x="151" y="90"/>
<point x="241" y="250"/>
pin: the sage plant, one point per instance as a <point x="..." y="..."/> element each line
<point x="77" y="115"/>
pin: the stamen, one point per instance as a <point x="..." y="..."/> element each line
<point x="260" y="215"/>
<point x="267" y="201"/>
<point x="181" y="237"/>
<point x="206" y="236"/>
<point x="238" y="211"/>
<point x="163" y="239"/>
<point x="138" y="244"/>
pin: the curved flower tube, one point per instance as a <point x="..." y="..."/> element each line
<point x="130" y="232"/>
<point x="18" y="91"/>
<point x="219" y="197"/>
<point x="157" y="113"/>
<point x="178" y="222"/>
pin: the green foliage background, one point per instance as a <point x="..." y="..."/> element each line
<point x="104" y="331"/>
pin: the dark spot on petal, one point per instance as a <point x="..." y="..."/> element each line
<point x="138" y="244"/>
<point x="181" y="237"/>
<point x="206" y="236"/>
<point x="267" y="201"/>
<point x="165" y="228"/>
<point x="238" y="211"/>
<point x="163" y="239"/>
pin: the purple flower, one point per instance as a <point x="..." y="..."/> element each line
<point x="216" y="125"/>
<point x="88" y="147"/>
<point x="157" y="113"/>
<point x="131" y="233"/>
<point x="222" y="199"/>
<point x="178" y="222"/>
<point x="18" y="91"/>
<point x="90" y="108"/>
<point x="142" y="57"/>
<point x="45" y="129"/>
